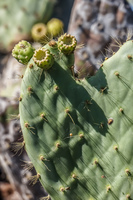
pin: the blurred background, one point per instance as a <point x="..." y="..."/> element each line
<point x="100" y="27"/>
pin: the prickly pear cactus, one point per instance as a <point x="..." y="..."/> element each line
<point x="79" y="133"/>
<point x="17" y="18"/>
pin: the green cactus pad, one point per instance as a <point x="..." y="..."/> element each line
<point x="78" y="133"/>
<point x="17" y="18"/>
<point x="23" y="51"/>
<point x="67" y="44"/>
<point x="43" y="58"/>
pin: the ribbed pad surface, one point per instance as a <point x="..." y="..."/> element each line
<point x="82" y="128"/>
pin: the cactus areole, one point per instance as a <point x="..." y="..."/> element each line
<point x="79" y="133"/>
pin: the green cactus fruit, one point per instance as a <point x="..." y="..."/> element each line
<point x="39" y="32"/>
<point x="55" y="27"/>
<point x="78" y="133"/>
<point x="23" y="51"/>
<point x="43" y="58"/>
<point x="67" y="44"/>
<point x="17" y="18"/>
